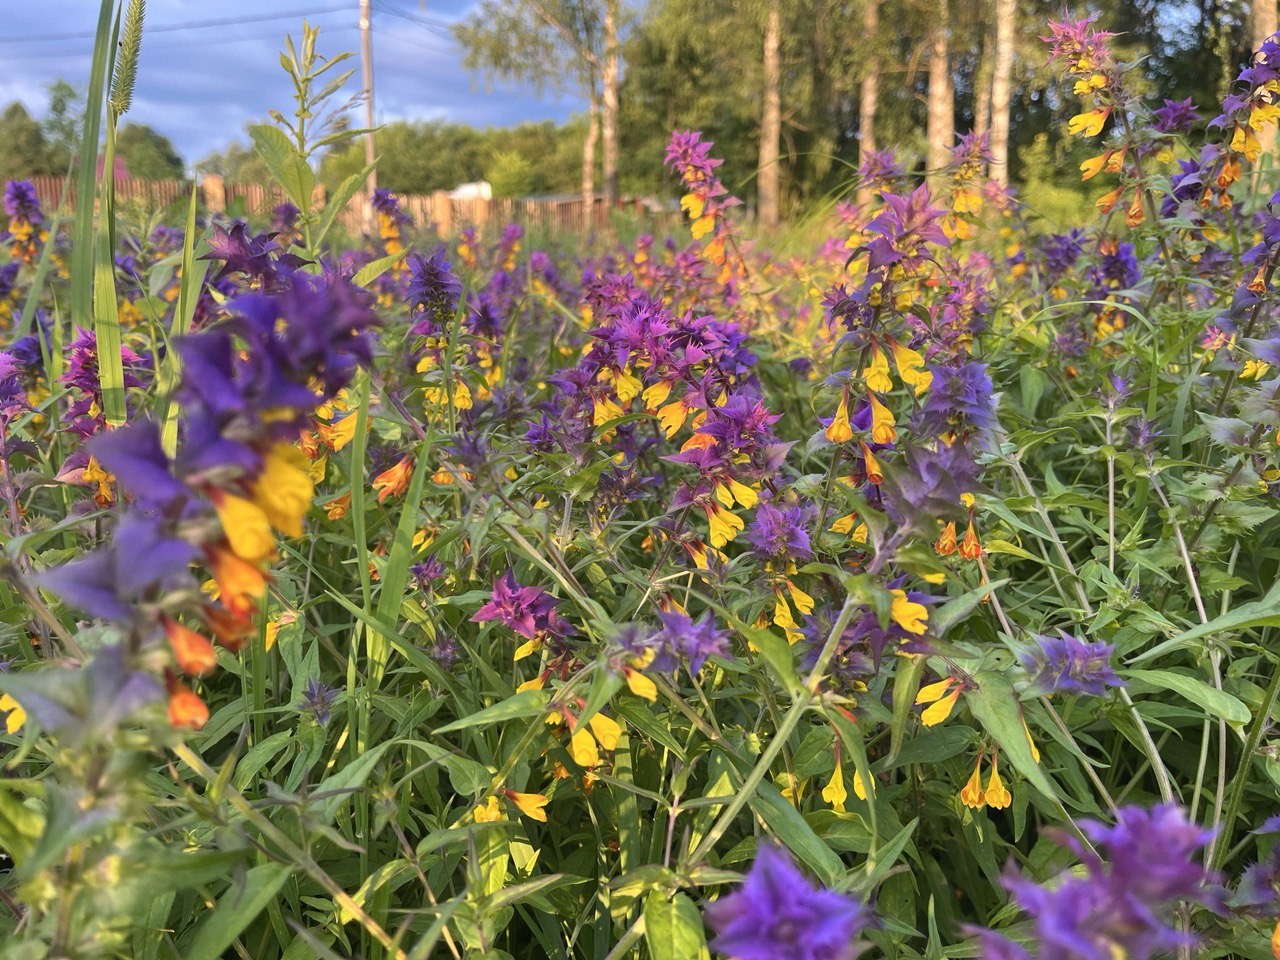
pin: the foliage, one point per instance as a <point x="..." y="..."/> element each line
<point x="912" y="596"/>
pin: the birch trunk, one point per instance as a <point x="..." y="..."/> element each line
<point x="1002" y="89"/>
<point x="771" y="121"/>
<point x="941" y="103"/>
<point x="869" y="93"/>
<point x="609" y="138"/>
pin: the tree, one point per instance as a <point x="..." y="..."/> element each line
<point x="1263" y="22"/>
<point x="868" y="90"/>
<point x="62" y="124"/>
<point x="569" y="45"/>
<point x="148" y="154"/>
<point x="771" y="119"/>
<point x="1001" y="89"/>
<point x="23" y="151"/>
<point x="511" y="174"/>
<point x="941" y="129"/>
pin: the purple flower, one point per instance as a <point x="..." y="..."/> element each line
<point x="904" y="227"/>
<point x="434" y="287"/>
<point x="133" y="453"/>
<point x="781" y="533"/>
<point x="960" y="403"/>
<point x="428" y="571"/>
<point x="778" y="914"/>
<point x="1176" y="116"/>
<point x="142" y="562"/>
<point x="22" y="203"/>
<point x="1065" y="664"/>
<point x="284" y="217"/>
<point x="681" y="636"/>
<point x="529" y="611"/>
<point x="687" y="152"/>
<point x="1121" y="906"/>
<point x="318" y="699"/>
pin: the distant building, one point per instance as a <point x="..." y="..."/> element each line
<point x="481" y="190"/>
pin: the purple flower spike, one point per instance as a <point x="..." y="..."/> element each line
<point x="778" y="914"/>
<point x="1065" y="664"/>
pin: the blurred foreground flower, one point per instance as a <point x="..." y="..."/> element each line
<point x="778" y="914"/>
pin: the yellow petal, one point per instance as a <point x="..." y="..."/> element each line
<point x="934" y="691"/>
<point x="582" y="747"/>
<point x="840" y="430"/>
<point x="606" y="730"/>
<point x="283" y="490"/>
<point x="802" y="600"/>
<point x="908" y="614"/>
<point x="939" y="711"/>
<point x="745" y="496"/>
<point x="15" y="716"/>
<point x="876" y="373"/>
<point x="641" y="685"/>
<point x="971" y="795"/>
<point x="246" y="527"/>
<point x="996" y="795"/>
<point x="489" y="811"/>
<point x="530" y="804"/>
<point x="834" y="792"/>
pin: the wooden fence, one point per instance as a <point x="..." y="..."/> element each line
<point x="438" y="210"/>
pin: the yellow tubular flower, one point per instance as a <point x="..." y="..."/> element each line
<point x="971" y="795"/>
<point x="582" y="747"/>
<point x="284" y="489"/>
<point x="859" y="788"/>
<point x="882" y="422"/>
<point x="908" y="614"/>
<point x="246" y="526"/>
<point x="939" y="711"/>
<point x="876" y="373"/>
<point x="932" y="692"/>
<point x="489" y="811"/>
<point x="606" y="730"/>
<point x="655" y="395"/>
<point x="745" y="496"/>
<point x="640" y="685"/>
<point x="530" y="804"/>
<point x="723" y="525"/>
<point x="911" y="367"/>
<point x="1088" y="124"/>
<point x="840" y="430"/>
<point x="15" y="716"/>
<point x="834" y="792"/>
<point x="997" y="796"/>
<point x="1035" y="751"/>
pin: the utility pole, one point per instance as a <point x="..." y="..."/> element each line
<point x="370" y="149"/>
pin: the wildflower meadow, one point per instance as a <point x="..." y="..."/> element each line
<point x="901" y="586"/>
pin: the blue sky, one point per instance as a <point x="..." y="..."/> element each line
<point x="200" y="87"/>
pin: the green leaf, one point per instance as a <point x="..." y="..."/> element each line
<point x="526" y="703"/>
<point x="337" y="203"/>
<point x="956" y="609"/>
<point x="372" y="271"/>
<point x="287" y="166"/>
<point x="338" y="788"/>
<point x="785" y="822"/>
<point x="1259" y="613"/>
<point x="906" y="684"/>
<point x="1215" y="701"/>
<point x="777" y="654"/>
<point x="995" y="706"/>
<point x="673" y="928"/>
<point x="236" y="909"/>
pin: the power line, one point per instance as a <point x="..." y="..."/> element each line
<point x="152" y="48"/>
<point x="439" y="27"/>
<point x="412" y="43"/>
<point x="171" y="27"/>
<point x="416" y="18"/>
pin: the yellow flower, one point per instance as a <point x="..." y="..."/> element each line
<point x="582" y="747"/>
<point x="247" y="528"/>
<point x="655" y="395"/>
<point x="834" y="792"/>
<point x="840" y="430"/>
<point x="537" y="683"/>
<point x="626" y="385"/>
<point x="876" y="374"/>
<point x="606" y="730"/>
<point x="934" y="691"/>
<point x="394" y="480"/>
<point x="939" y="711"/>
<point x="908" y="614"/>
<point x="874" y="473"/>
<point x="640" y="685"/>
<point x="997" y="796"/>
<point x="971" y="795"/>
<point x="745" y="496"/>
<point x="882" y="422"/>
<point x="530" y="804"/>
<point x="672" y="417"/>
<point x="723" y="525"/>
<point x="1090" y="123"/>
<point x="489" y="812"/>
<point x="692" y="204"/>
<point x="859" y="788"/>
<point x="802" y="600"/>
<point x="15" y="716"/>
<point x="1035" y="751"/>
<point x="283" y="490"/>
<point x="911" y="367"/>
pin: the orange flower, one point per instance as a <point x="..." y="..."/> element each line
<point x="970" y="548"/>
<point x="394" y="481"/>
<point x="186" y="709"/>
<point x="946" y="544"/>
<point x="241" y="585"/>
<point x="192" y="652"/>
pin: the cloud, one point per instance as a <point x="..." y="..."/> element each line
<point x="200" y="87"/>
